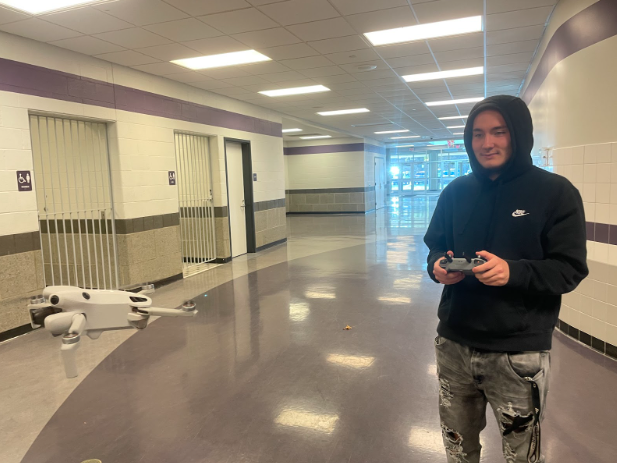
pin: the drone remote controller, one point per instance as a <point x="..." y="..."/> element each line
<point x="465" y="265"/>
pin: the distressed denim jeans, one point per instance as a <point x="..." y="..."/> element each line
<point x="514" y="384"/>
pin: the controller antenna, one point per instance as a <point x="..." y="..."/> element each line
<point x="467" y="258"/>
<point x="448" y="257"/>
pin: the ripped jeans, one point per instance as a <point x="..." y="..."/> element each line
<point x="515" y="384"/>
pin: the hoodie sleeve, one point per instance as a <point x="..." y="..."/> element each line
<point x="565" y="262"/>
<point x="435" y="237"/>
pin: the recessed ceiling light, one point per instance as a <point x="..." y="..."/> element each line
<point x="296" y="90"/>
<point x="344" y="111"/>
<point x="451" y="127"/>
<point x="444" y="74"/>
<point x="458" y="133"/>
<point x="316" y="137"/>
<point x="400" y="138"/>
<point x="452" y="117"/>
<point x="291" y="130"/>
<point x="461" y="101"/>
<point x="45" y="6"/>
<point x="225" y="59"/>
<point x="426" y="31"/>
<point x="403" y="146"/>
<point x="391" y="131"/>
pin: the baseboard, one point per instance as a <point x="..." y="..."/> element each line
<point x="222" y="260"/>
<point x="14" y="332"/>
<point x="275" y="243"/>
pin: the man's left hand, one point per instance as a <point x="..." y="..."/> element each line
<point x="496" y="271"/>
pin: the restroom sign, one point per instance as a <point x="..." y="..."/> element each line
<point x="172" y="177"/>
<point x="24" y="180"/>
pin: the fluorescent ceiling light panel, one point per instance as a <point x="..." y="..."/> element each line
<point x="401" y="138"/>
<point x="291" y="130"/>
<point x="296" y="90"/>
<point x="444" y="74"/>
<point x="458" y="133"/>
<point x="451" y="127"/>
<point x="452" y="117"/>
<point x="426" y="31"/>
<point x="45" y="6"/>
<point x="225" y="59"/>
<point x="391" y="131"/>
<point x="403" y="146"/>
<point x="461" y="101"/>
<point x="315" y="137"/>
<point x="344" y="111"/>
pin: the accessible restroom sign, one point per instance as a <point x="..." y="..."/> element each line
<point x="24" y="180"/>
<point x="172" y="177"/>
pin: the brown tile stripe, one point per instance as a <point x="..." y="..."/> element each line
<point x="202" y="212"/>
<point x="22" y="242"/>
<point x="29" y="79"/>
<point x="331" y="190"/>
<point x="267" y="205"/>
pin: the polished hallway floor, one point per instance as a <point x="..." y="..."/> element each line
<point x="267" y="373"/>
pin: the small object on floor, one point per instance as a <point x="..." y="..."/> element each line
<point x="347" y="327"/>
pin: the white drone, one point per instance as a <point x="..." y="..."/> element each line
<point x="69" y="312"/>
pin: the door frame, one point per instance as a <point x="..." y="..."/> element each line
<point x="249" y="209"/>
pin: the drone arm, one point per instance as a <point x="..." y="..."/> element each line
<point x="160" y="312"/>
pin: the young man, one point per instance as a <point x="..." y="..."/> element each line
<point x="495" y="327"/>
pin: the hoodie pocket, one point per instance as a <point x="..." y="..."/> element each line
<point x="489" y="310"/>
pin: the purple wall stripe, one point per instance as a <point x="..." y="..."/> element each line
<point x="592" y="25"/>
<point x="342" y="148"/>
<point x="28" y="79"/>
<point x="602" y="233"/>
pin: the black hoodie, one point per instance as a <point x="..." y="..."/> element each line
<point x="529" y="217"/>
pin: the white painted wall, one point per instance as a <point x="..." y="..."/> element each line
<point x="141" y="146"/>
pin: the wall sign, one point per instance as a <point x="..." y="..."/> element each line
<point x="172" y="177"/>
<point x="24" y="180"/>
<point x="254" y="177"/>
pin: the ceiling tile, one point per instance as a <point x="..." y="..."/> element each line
<point x="494" y="69"/>
<point x="298" y="50"/>
<point x="235" y="22"/>
<point x="184" y="30"/>
<point x="443" y="10"/>
<point x="383" y="19"/>
<point x="224" y="73"/>
<point x="374" y="75"/>
<point x="520" y="18"/>
<point x="357" y="56"/>
<point x="347" y="7"/>
<point x="169" y="52"/>
<point x="510" y="59"/>
<point x="502" y="6"/>
<point x="320" y="30"/>
<point x="215" y="45"/>
<point x="133" y="38"/>
<point x="323" y="71"/>
<point x="232" y="92"/>
<point x="457" y="43"/>
<point x="201" y="7"/>
<point x="300" y="11"/>
<point x="142" y="12"/>
<point x="267" y="67"/>
<point x="408" y="70"/>
<point x="87" y="21"/>
<point x="405" y="49"/>
<point x="515" y="34"/>
<point x="513" y="47"/>
<point x="249" y="80"/>
<point x="127" y="58"/>
<point x="458" y="55"/>
<point x="189" y="77"/>
<point x="160" y="69"/>
<point x="210" y="85"/>
<point x="338" y="81"/>
<point x="307" y="63"/>
<point x="282" y="76"/>
<point x="87" y="45"/>
<point x="263" y="2"/>
<point x="349" y="43"/>
<point x="37" y="29"/>
<point x="267" y="38"/>
<point x="9" y="16"/>
<point x="407" y="61"/>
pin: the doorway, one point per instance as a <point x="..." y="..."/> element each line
<point x="380" y="183"/>
<point x="240" y="197"/>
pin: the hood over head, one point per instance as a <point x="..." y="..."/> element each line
<point x="518" y="119"/>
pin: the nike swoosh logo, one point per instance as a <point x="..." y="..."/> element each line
<point x="514" y="214"/>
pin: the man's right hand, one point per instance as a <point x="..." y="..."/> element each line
<point x="444" y="277"/>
